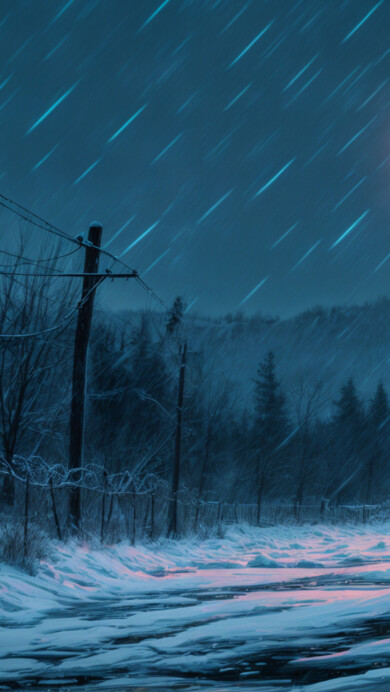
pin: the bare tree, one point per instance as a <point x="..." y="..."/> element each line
<point x="306" y="396"/>
<point x="35" y="314"/>
<point x="216" y="400"/>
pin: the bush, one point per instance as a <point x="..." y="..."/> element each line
<point x="13" y="550"/>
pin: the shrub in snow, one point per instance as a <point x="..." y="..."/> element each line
<point x="21" y="551"/>
<point x="381" y="512"/>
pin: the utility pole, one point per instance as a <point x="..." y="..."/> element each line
<point x="83" y="329"/>
<point x="172" y="527"/>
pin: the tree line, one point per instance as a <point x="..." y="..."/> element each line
<point x="273" y="445"/>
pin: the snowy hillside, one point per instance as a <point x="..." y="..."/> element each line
<point x="332" y="344"/>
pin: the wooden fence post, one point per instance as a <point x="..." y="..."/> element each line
<point x="54" y="508"/>
<point x="26" y="509"/>
<point x="103" y="505"/>
<point x="151" y="533"/>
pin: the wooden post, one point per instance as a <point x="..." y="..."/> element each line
<point x="146" y="517"/>
<point x="83" y="329"/>
<point x="134" y="518"/>
<point x="109" y="512"/>
<point x="172" y="526"/>
<point x="54" y="508"/>
<point x="124" y="513"/>
<point x="219" y="519"/>
<point x="26" y="502"/>
<point x="151" y="534"/>
<point x="103" y="506"/>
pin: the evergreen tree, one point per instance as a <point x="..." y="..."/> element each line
<point x="349" y="442"/>
<point x="174" y="315"/>
<point x="271" y="421"/>
<point x="270" y="424"/>
<point x="378" y="436"/>
<point x="379" y="410"/>
<point x="349" y="409"/>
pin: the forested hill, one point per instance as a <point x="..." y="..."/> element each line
<point x="331" y="344"/>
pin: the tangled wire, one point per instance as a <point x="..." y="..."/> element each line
<point x="39" y="473"/>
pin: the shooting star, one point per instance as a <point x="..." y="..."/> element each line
<point x="58" y="15"/>
<point x="122" y="228"/>
<point x="155" y="261"/>
<point x="238" y="97"/>
<point x="351" y="33"/>
<point x="86" y="172"/>
<point x="214" y="206"/>
<point x="166" y="148"/>
<point x="192" y="303"/>
<point x="45" y="158"/>
<point x="305" y="86"/>
<point x="275" y="177"/>
<point x="2" y="85"/>
<point x="294" y="79"/>
<point x="381" y="263"/>
<point x="52" y="108"/>
<point x="349" y="193"/>
<point x="256" y="288"/>
<point x="348" y="144"/>
<point x="155" y="13"/>
<point x="140" y="237"/>
<point x="305" y="255"/>
<point x="236" y="16"/>
<point x="130" y="120"/>
<point x="252" y="43"/>
<point x="380" y="87"/>
<point x="349" y="230"/>
<point x="285" y="235"/>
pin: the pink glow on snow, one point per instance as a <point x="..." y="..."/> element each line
<point x="74" y="585"/>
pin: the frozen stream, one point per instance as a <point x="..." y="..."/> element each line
<point x="261" y="609"/>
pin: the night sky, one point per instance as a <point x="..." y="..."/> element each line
<point x="236" y="153"/>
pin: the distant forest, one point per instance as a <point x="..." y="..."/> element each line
<point x="274" y="443"/>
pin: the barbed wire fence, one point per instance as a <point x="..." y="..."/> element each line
<point x="25" y="268"/>
<point x="148" y="496"/>
<point x="148" y="500"/>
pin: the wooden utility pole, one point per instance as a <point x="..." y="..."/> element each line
<point x="172" y="527"/>
<point x="83" y="329"/>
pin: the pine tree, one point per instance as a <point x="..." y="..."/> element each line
<point x="349" y="441"/>
<point x="270" y="425"/>
<point x="174" y="315"/>
<point x="378" y="432"/>
<point x="271" y="419"/>
<point x="379" y="410"/>
<point x="349" y="409"/>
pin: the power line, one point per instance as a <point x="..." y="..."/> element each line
<point x="80" y="242"/>
<point x="29" y="260"/>
<point x="107" y="275"/>
<point x="34" y="290"/>
<point x="62" y="323"/>
<point x="53" y="229"/>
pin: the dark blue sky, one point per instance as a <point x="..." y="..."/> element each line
<point x="249" y="142"/>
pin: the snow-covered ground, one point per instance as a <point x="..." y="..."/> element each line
<point x="261" y="609"/>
